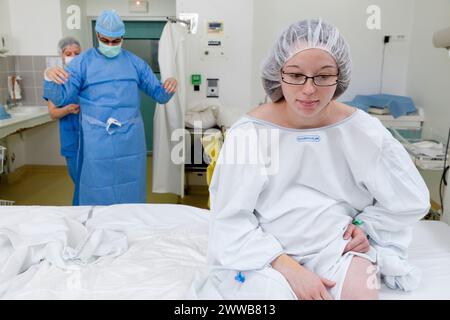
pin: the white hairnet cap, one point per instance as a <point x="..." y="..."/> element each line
<point x="67" y="41"/>
<point x="300" y="36"/>
<point x="110" y="24"/>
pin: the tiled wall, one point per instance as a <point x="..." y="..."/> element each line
<point x="31" y="70"/>
<point x="6" y="64"/>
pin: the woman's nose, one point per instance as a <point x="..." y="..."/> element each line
<point x="309" y="87"/>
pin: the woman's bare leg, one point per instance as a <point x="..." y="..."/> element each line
<point x="361" y="281"/>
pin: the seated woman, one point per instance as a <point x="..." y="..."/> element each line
<point x="302" y="180"/>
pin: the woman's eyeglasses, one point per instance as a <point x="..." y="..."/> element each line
<point x="323" y="80"/>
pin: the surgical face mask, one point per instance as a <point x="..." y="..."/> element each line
<point x="67" y="60"/>
<point x="109" y="51"/>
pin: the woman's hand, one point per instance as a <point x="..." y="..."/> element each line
<point x="359" y="241"/>
<point x="306" y="284"/>
<point x="57" y="74"/>
<point x="309" y="286"/>
<point x="170" y="85"/>
<point x="72" y="108"/>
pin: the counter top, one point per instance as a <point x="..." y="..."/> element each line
<point x="24" y="117"/>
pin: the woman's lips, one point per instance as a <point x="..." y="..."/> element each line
<point x="308" y="103"/>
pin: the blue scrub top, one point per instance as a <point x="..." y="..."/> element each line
<point x="69" y="132"/>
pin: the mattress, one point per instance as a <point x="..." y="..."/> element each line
<point x="167" y="248"/>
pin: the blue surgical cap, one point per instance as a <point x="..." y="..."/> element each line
<point x="110" y="24"/>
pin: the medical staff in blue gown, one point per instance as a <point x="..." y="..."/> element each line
<point x="107" y="81"/>
<point x="68" y="115"/>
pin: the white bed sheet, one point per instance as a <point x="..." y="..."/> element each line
<point x="430" y="251"/>
<point x="167" y="247"/>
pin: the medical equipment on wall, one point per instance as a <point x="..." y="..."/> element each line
<point x="214" y="42"/>
<point x="215" y="27"/>
<point x="14" y="88"/>
<point x="441" y="39"/>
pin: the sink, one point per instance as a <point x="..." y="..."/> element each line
<point x="26" y="110"/>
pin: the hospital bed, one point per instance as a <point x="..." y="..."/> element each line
<point x="166" y="247"/>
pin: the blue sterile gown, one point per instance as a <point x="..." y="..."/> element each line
<point x="113" y="169"/>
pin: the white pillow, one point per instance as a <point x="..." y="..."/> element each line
<point x="207" y="118"/>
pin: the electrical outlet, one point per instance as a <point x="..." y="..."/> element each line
<point x="212" y="90"/>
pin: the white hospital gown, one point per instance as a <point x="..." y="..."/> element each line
<point x="300" y="200"/>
